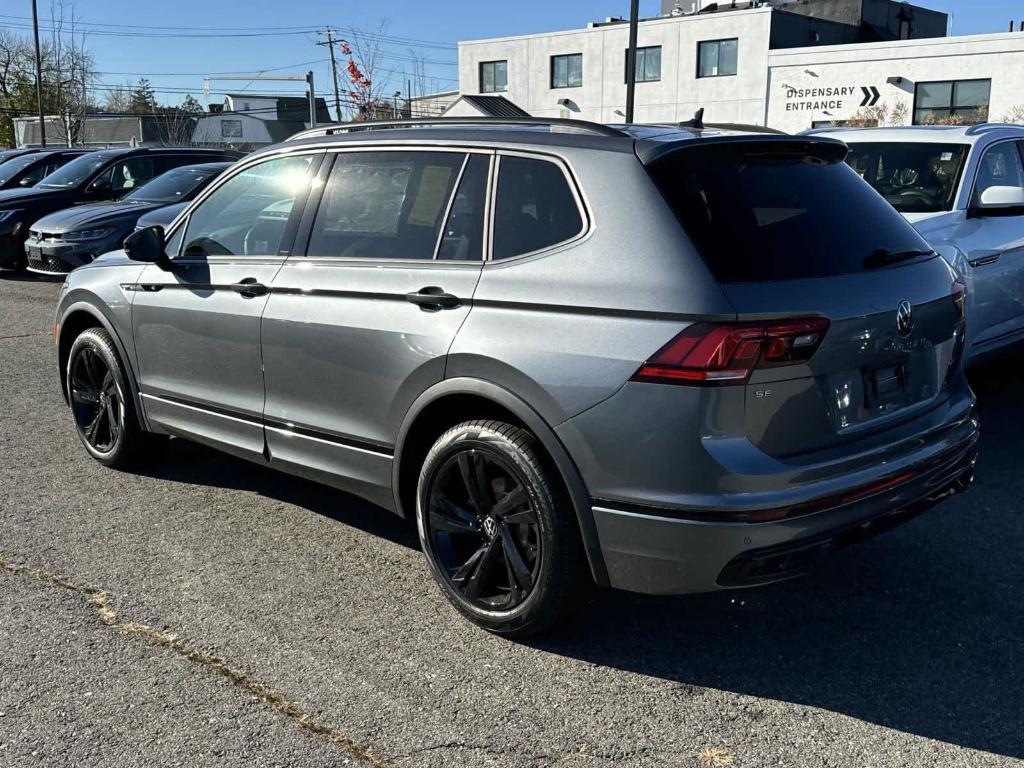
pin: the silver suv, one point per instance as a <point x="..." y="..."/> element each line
<point x="664" y="359"/>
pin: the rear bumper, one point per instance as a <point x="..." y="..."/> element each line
<point x="660" y="551"/>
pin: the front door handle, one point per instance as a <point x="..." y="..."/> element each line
<point x="433" y="299"/>
<point x="250" y="288"/>
<point x="982" y="258"/>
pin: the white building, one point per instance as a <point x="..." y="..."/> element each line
<point x="791" y="65"/>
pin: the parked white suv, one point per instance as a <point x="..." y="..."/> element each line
<point x="963" y="189"/>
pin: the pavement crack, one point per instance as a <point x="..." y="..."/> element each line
<point x="99" y="601"/>
<point x="23" y="336"/>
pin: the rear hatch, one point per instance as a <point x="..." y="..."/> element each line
<point x="847" y="323"/>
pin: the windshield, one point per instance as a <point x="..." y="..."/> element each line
<point x="75" y="172"/>
<point x="782" y="211"/>
<point x="914" y="178"/>
<point x="173" y="186"/>
<point x="12" y="168"/>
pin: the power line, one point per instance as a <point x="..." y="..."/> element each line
<point x="225" y="31"/>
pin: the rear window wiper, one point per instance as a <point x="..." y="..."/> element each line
<point x="883" y="257"/>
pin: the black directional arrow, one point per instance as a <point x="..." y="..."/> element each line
<point x="871" y="96"/>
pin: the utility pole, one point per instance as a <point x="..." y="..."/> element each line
<point x="634" y="25"/>
<point x="312" y="99"/>
<point x="39" y="75"/>
<point x="334" y="72"/>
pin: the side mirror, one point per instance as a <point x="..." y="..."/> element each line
<point x="28" y="181"/>
<point x="146" y="245"/>
<point x="102" y="186"/>
<point x="994" y="201"/>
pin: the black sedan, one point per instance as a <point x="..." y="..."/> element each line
<point x="104" y="175"/>
<point x="75" y="236"/>
<point x="29" y="169"/>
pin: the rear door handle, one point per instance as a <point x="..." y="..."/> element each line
<point x="433" y="298"/>
<point x="250" y="288"/>
<point x="983" y="258"/>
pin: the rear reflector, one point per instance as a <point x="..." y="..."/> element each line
<point x="710" y="354"/>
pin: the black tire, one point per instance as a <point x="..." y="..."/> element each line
<point x="102" y="406"/>
<point x="490" y="510"/>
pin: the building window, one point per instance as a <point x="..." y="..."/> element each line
<point x="717" y="58"/>
<point x="648" y="64"/>
<point x="958" y="102"/>
<point x="231" y="129"/>
<point x="493" y="76"/>
<point x="567" y="71"/>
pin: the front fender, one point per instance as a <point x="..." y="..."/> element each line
<point x="115" y="318"/>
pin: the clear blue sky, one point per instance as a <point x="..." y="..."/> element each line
<point x="176" y="65"/>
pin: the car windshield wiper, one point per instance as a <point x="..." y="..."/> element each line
<point x="883" y="257"/>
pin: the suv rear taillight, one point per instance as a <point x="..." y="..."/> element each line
<point x="712" y="354"/>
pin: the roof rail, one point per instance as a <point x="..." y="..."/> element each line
<point x="974" y="130"/>
<point x="520" y="122"/>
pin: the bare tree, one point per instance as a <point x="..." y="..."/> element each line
<point x="118" y="98"/>
<point x="68" y="70"/>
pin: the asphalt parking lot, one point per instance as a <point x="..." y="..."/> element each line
<point x="208" y="612"/>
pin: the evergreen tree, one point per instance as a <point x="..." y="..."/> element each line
<point x="142" y="98"/>
<point x="190" y="105"/>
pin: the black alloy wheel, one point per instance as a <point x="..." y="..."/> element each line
<point x="484" y="530"/>
<point x="499" y="530"/>
<point x="101" y="403"/>
<point x="95" y="400"/>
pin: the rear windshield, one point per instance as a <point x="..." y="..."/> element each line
<point x="914" y="178"/>
<point x="773" y="211"/>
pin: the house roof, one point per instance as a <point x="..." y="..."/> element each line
<point x="495" y="106"/>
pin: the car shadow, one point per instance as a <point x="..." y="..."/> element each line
<point x="186" y="462"/>
<point x="919" y="630"/>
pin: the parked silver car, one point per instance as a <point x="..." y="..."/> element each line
<point x="661" y="358"/>
<point x="962" y="187"/>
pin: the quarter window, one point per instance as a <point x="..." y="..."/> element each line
<point x="648" y="64"/>
<point x="493" y="76"/>
<point x="535" y="207"/>
<point x="955" y="102"/>
<point x="385" y="205"/>
<point x="567" y="71"/>
<point x="247" y="215"/>
<point x="717" y="58"/>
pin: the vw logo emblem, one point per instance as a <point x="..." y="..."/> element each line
<point x="490" y="527"/>
<point x="905" y="318"/>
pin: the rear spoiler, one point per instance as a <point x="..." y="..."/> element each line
<point x="824" y="148"/>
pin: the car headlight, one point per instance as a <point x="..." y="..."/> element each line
<point x="5" y="215"/>
<point x="87" y="234"/>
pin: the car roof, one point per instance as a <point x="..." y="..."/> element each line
<point x="924" y="134"/>
<point x="647" y="140"/>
